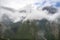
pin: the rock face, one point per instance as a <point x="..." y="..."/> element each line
<point x="2" y="29"/>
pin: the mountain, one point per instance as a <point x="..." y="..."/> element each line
<point x="30" y="22"/>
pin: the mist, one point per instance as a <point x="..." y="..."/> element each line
<point x="35" y="12"/>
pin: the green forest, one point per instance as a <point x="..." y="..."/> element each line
<point x="35" y="30"/>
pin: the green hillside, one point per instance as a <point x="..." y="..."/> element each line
<point x="35" y="30"/>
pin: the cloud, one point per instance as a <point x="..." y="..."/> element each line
<point x="40" y="14"/>
<point x="36" y="14"/>
<point x="16" y="4"/>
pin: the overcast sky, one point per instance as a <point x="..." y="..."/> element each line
<point x="16" y="3"/>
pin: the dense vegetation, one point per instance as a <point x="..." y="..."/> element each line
<point x="35" y="30"/>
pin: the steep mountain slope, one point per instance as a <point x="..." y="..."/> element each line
<point x="31" y="22"/>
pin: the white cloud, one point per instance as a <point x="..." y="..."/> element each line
<point x="16" y="4"/>
<point x="35" y="15"/>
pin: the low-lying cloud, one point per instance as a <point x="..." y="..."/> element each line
<point x="36" y="13"/>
